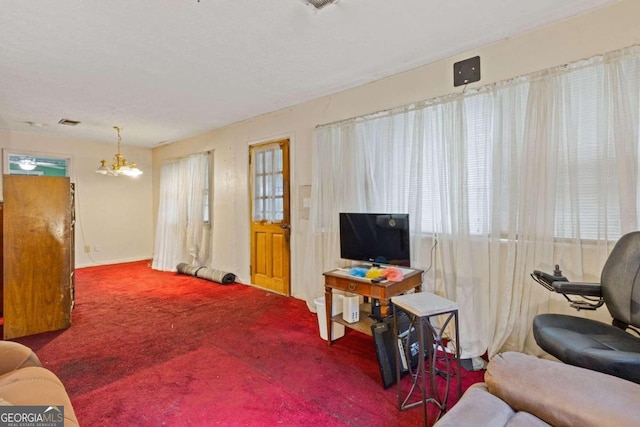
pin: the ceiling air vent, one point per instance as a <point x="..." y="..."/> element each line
<point x="68" y="122"/>
<point x="318" y="4"/>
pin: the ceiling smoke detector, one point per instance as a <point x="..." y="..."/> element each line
<point x="68" y="122"/>
<point x="319" y="4"/>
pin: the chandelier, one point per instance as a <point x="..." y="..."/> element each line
<point x="119" y="165"/>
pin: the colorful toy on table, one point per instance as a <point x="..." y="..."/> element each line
<point x="393" y="274"/>
<point x="358" y="271"/>
<point x="373" y="273"/>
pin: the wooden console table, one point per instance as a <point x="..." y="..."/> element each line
<point x="341" y="280"/>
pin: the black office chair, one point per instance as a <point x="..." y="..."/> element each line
<point x="588" y="343"/>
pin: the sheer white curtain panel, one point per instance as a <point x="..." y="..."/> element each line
<point x="181" y="235"/>
<point x="515" y="176"/>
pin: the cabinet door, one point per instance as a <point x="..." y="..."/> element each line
<point x="37" y="254"/>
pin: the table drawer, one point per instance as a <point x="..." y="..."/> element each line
<point x="354" y="286"/>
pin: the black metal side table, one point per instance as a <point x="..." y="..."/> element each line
<point x="422" y="308"/>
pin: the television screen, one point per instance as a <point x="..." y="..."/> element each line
<point x="375" y="238"/>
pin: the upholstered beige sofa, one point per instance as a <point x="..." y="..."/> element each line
<point x="24" y="382"/>
<point x="522" y="390"/>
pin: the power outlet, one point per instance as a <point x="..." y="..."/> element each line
<point x="467" y="71"/>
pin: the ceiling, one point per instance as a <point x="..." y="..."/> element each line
<point x="165" y="70"/>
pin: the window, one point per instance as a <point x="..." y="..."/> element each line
<point x="268" y="183"/>
<point x="206" y="209"/>
<point x="563" y="142"/>
<point x="181" y="212"/>
<point x="19" y="162"/>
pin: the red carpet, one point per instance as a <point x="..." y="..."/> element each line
<point x="148" y="348"/>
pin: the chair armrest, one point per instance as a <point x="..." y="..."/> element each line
<point x="558" y="283"/>
<point x="546" y="279"/>
<point x="578" y="288"/>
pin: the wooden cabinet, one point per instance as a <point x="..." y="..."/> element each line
<point x="38" y="254"/>
<point x="1" y="264"/>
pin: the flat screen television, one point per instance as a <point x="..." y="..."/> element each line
<point x="378" y="238"/>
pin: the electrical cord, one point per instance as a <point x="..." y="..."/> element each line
<point x="433" y="248"/>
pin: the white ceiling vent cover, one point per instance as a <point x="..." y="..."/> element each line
<point x="319" y="4"/>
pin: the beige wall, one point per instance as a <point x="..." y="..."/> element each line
<point x="113" y="214"/>
<point x="117" y="215"/>
<point x="602" y="30"/>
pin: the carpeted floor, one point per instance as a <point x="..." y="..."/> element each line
<point x="148" y="348"/>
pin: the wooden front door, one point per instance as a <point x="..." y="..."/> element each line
<point x="270" y="226"/>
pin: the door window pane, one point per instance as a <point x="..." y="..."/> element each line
<point x="268" y="182"/>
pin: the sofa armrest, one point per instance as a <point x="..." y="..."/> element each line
<point x="563" y="395"/>
<point x="36" y="386"/>
<point x="478" y="408"/>
<point x="16" y="356"/>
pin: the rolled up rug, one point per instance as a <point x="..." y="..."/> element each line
<point x="207" y="273"/>
<point x="218" y="276"/>
<point x="189" y="269"/>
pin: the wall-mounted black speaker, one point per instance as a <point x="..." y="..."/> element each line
<point x="467" y="71"/>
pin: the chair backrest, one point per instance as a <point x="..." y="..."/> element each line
<point x="621" y="280"/>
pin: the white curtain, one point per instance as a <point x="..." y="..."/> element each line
<point x="181" y="233"/>
<point x="515" y="176"/>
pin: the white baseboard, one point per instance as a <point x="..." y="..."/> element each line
<point x="113" y="261"/>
